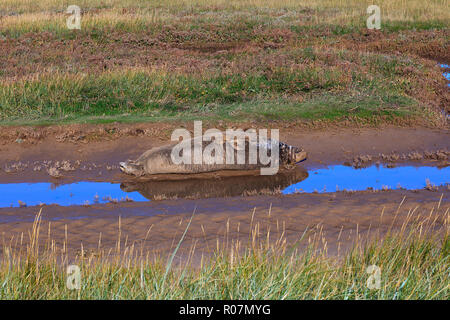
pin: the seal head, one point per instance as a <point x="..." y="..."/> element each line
<point x="132" y="167"/>
<point x="291" y="155"/>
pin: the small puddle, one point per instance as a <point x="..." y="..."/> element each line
<point x="33" y="194"/>
<point x="446" y="73"/>
<point x="339" y="177"/>
<point x="330" y="179"/>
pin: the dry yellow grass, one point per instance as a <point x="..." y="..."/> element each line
<point x="413" y="263"/>
<point x="339" y="9"/>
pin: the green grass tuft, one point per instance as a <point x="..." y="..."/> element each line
<point x="414" y="264"/>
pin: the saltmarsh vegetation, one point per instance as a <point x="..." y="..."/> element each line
<point x="413" y="262"/>
<point x="238" y="60"/>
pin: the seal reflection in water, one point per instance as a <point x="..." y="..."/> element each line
<point x="216" y="187"/>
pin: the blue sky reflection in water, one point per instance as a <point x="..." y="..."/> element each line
<point x="320" y="180"/>
<point x="65" y="195"/>
<point x="446" y="74"/>
<point x="345" y="177"/>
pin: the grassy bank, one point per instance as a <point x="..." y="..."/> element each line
<point x="238" y="60"/>
<point x="309" y="84"/>
<point x="413" y="262"/>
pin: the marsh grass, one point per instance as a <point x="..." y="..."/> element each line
<point x="235" y="19"/>
<point x="162" y="60"/>
<point x="315" y="86"/>
<point x="414" y="263"/>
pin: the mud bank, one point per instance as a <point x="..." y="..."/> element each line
<point x="62" y="161"/>
<point x="157" y="226"/>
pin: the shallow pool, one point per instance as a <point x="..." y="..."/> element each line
<point x="338" y="178"/>
<point x="32" y="194"/>
<point x="446" y="74"/>
<point x="330" y="179"/>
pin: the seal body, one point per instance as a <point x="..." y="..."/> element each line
<point x="215" y="157"/>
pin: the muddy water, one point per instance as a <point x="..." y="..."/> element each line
<point x="330" y="179"/>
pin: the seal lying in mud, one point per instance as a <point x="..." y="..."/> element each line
<point x="160" y="160"/>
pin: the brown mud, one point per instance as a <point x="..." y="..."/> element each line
<point x="156" y="227"/>
<point x="338" y="216"/>
<point x="63" y="154"/>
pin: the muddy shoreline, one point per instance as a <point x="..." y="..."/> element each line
<point x="28" y="160"/>
<point x="338" y="216"/>
<point x="157" y="226"/>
